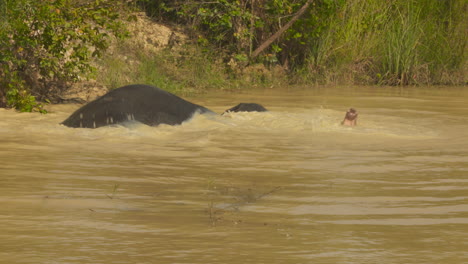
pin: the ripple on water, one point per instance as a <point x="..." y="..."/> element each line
<point x="291" y="185"/>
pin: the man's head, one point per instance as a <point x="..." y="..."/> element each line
<point x="350" y="118"/>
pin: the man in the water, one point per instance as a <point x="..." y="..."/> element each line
<point x="350" y="118"/>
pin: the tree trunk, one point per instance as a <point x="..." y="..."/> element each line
<point x="275" y="36"/>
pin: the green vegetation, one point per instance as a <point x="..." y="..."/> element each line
<point x="44" y="45"/>
<point x="395" y="42"/>
<point x="176" y="71"/>
<point x="183" y="70"/>
<point x="232" y="44"/>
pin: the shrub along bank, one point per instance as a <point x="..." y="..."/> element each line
<point x="46" y="45"/>
<point x="395" y="42"/>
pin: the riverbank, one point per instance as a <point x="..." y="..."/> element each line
<point x="163" y="56"/>
<point x="355" y="43"/>
<point x="186" y="48"/>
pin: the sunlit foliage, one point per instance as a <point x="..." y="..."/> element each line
<point x="44" y="45"/>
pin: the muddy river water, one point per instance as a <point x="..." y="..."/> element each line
<point x="287" y="186"/>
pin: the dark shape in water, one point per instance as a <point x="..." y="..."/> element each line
<point x="247" y="107"/>
<point x="143" y="103"/>
<point x="350" y="118"/>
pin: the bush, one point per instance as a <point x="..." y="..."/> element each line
<point x="394" y="42"/>
<point x="45" y="45"/>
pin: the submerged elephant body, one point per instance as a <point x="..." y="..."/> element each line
<point x="143" y="103"/>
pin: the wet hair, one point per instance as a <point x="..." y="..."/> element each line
<point x="351" y="114"/>
<point x="350" y="118"/>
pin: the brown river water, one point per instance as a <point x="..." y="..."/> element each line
<point x="287" y="186"/>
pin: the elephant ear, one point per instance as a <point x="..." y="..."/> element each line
<point x="247" y="107"/>
<point x="106" y="110"/>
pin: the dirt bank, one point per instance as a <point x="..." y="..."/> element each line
<point x="145" y="35"/>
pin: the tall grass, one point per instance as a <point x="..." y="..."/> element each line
<point x="402" y="37"/>
<point x="394" y="42"/>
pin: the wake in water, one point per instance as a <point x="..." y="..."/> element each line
<point x="299" y="121"/>
<point x="302" y="121"/>
<point x="325" y="120"/>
